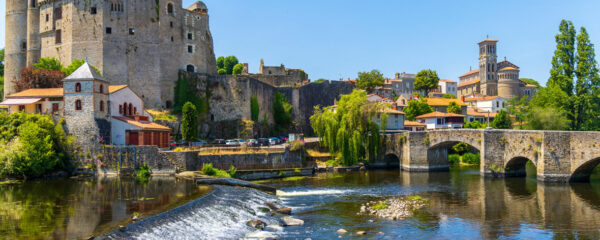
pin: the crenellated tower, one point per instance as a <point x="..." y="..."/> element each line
<point x="33" y="33"/>
<point x="488" y="67"/>
<point x="15" y="52"/>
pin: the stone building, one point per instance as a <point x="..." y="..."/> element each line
<point x="278" y="76"/>
<point x="142" y="44"/>
<point x="493" y="78"/>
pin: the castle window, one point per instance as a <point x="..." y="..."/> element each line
<point x="171" y="24"/>
<point x="172" y="39"/>
<point x="58" y="13"/>
<point x="47" y="17"/>
<point x="78" y="105"/>
<point x="170" y="8"/>
<point x="190" y="68"/>
<point x="108" y="30"/>
<point x="101" y="106"/>
<point x="58" y="36"/>
<point x="93" y="10"/>
<point x="168" y="104"/>
<point x="190" y="48"/>
<point x="32" y="3"/>
<point x="101" y="88"/>
<point x="77" y="87"/>
<point x="131" y="31"/>
<point x="24" y="45"/>
<point x="190" y="36"/>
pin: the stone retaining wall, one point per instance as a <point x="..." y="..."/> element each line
<point x="191" y="161"/>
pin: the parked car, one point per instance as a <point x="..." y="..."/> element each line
<point x="172" y="144"/>
<point x="198" y="143"/>
<point x="263" y="142"/>
<point x="241" y="141"/>
<point x="218" y="142"/>
<point x="273" y="141"/>
<point x="232" y="143"/>
<point x="253" y="143"/>
<point x="284" y="139"/>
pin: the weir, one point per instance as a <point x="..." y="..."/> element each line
<point x="559" y="156"/>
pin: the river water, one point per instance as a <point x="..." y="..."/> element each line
<point x="462" y="205"/>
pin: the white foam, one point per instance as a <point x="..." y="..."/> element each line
<point x="312" y="192"/>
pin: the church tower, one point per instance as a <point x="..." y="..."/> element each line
<point x="15" y="55"/>
<point x="488" y="67"/>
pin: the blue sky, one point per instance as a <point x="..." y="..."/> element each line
<point x="337" y="38"/>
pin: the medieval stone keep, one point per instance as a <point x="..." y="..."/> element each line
<point x="142" y="44"/>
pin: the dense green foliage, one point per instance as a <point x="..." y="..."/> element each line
<point x="426" y="80"/>
<point x="48" y="64"/>
<point x="571" y="99"/>
<point x="475" y="125"/>
<point x="350" y="131"/>
<point x="454" y="159"/>
<point x="530" y="81"/>
<point x="449" y="95"/>
<point x="75" y="64"/>
<point x="416" y="108"/>
<point x="369" y="80"/>
<point x="32" y="145"/>
<point x="143" y="173"/>
<point x="185" y="92"/>
<point x="189" y="122"/>
<point x="238" y="69"/>
<point x="209" y="170"/>
<point x="502" y="120"/>
<point x="254" y="109"/>
<point x="461" y="148"/>
<point x="320" y="80"/>
<point x="227" y="65"/>
<point x="471" y="158"/>
<point x="282" y="111"/>
<point x="453" y="107"/>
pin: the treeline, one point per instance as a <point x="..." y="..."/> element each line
<point x="571" y="98"/>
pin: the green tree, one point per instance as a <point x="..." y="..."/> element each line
<point x="222" y="71"/>
<point x="282" y="111"/>
<point x="474" y="125"/>
<point x="461" y="148"/>
<point x="189" y="122"/>
<point x="238" y="69"/>
<point x="75" y="64"/>
<point x="563" y="61"/>
<point x="453" y="107"/>
<point x="530" y="81"/>
<point x="502" y="120"/>
<point x="369" y="80"/>
<point x="48" y="64"/>
<point x="229" y="63"/>
<point x="415" y="108"/>
<point x="254" y="108"/>
<point x="449" y="95"/>
<point x="220" y="62"/>
<point x="585" y="109"/>
<point x="426" y="80"/>
<point x="549" y="118"/>
<point x="518" y="107"/>
<point x="320" y="80"/>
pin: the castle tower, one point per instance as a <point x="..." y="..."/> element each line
<point x="15" y="56"/>
<point x="508" y="82"/>
<point x="488" y="67"/>
<point x="260" y="68"/>
<point x="33" y="33"/>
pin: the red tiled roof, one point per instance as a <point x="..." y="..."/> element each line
<point x="145" y="125"/>
<point x="38" y="92"/>
<point x="443" y="101"/>
<point x="447" y="80"/>
<point x="413" y="124"/>
<point x="489" y="40"/>
<point x="470" y="73"/>
<point x="475" y="112"/>
<point x="482" y="98"/>
<point x="467" y="83"/>
<point x="440" y="114"/>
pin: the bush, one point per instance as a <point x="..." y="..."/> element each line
<point x="297" y="145"/>
<point x="143" y="172"/>
<point x="471" y="158"/>
<point x="232" y="170"/>
<point x="454" y="159"/>
<point x="461" y="148"/>
<point x="189" y="122"/>
<point x="209" y="170"/>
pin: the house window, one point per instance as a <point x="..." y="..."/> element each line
<point x="108" y="30"/>
<point x="101" y="88"/>
<point x="135" y="111"/>
<point x="54" y="107"/>
<point x="101" y="106"/>
<point x="124" y="109"/>
<point x="38" y="108"/>
<point x="58" y="13"/>
<point x="120" y="109"/>
<point x="170" y="8"/>
<point x="190" y="48"/>
<point x="58" y="36"/>
<point x="93" y="10"/>
<point x="78" y="105"/>
<point x="190" y="36"/>
<point x="190" y="68"/>
<point x="131" y="31"/>
<point x="77" y="87"/>
<point x="21" y="108"/>
<point x="130" y="108"/>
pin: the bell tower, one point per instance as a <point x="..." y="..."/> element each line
<point x="488" y="67"/>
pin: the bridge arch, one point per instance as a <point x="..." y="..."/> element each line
<point x="516" y="166"/>
<point x="390" y="160"/>
<point x="583" y="172"/>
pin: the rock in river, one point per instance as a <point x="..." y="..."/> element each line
<point x="290" y="221"/>
<point x="286" y="210"/>
<point x="256" y="223"/>
<point x="341" y="231"/>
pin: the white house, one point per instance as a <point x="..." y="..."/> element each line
<point x="395" y="120"/>
<point x="486" y="103"/>
<point x="440" y="120"/>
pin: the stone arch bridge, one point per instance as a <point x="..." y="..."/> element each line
<point x="558" y="155"/>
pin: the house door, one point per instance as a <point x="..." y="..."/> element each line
<point x="134" y="138"/>
<point x="54" y="107"/>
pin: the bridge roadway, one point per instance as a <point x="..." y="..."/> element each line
<point x="559" y="156"/>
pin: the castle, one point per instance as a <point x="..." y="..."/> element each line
<point x="142" y="44"/>
<point x="493" y="78"/>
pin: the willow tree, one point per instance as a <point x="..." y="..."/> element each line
<point x="350" y="129"/>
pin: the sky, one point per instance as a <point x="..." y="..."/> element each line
<point x="335" y="39"/>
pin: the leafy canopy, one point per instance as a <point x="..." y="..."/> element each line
<point x="426" y="80"/>
<point x="282" y="111"/>
<point x="502" y="120"/>
<point x="189" y="122"/>
<point x="369" y="80"/>
<point x="416" y="108"/>
<point x="453" y="107"/>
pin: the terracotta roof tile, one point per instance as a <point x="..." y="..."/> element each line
<point x="482" y="98"/>
<point x="447" y="80"/>
<point x="440" y="114"/>
<point x="114" y="88"/>
<point x="469" y="73"/>
<point x="443" y="101"/>
<point x="475" y="112"/>
<point x="38" y="92"/>
<point x="413" y="124"/>
<point x="489" y="40"/>
<point x="144" y="125"/>
<point x="508" y="69"/>
<point x="467" y="83"/>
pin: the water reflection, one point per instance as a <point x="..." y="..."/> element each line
<point x="72" y="209"/>
<point x="462" y="205"/>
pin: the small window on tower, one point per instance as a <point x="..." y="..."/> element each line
<point x="108" y="30"/>
<point x="24" y="45"/>
<point x="190" y="36"/>
<point x="32" y="3"/>
<point x="47" y="17"/>
<point x="131" y="31"/>
<point x="172" y="39"/>
<point x="78" y="105"/>
<point x="190" y="48"/>
<point x="170" y="8"/>
<point x="58" y="36"/>
<point x="93" y="10"/>
<point x="171" y="24"/>
<point x="58" y="13"/>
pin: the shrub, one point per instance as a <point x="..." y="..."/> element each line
<point x="379" y="206"/>
<point x="209" y="170"/>
<point x="189" y="123"/>
<point x="471" y="158"/>
<point x="454" y="159"/>
<point x="297" y="145"/>
<point x="232" y="170"/>
<point x="461" y="148"/>
<point x="143" y="172"/>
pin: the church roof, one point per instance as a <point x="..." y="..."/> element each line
<point x="467" y="83"/>
<point x="114" y="88"/>
<point x="470" y="73"/>
<point x="489" y="40"/>
<point x="84" y="72"/>
<point x="509" y="69"/>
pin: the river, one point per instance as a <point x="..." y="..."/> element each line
<point x="462" y="205"/>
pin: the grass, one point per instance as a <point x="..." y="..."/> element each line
<point x="315" y="153"/>
<point x="162" y="115"/>
<point x="291" y="179"/>
<point x="379" y="206"/>
<point x="209" y="170"/>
